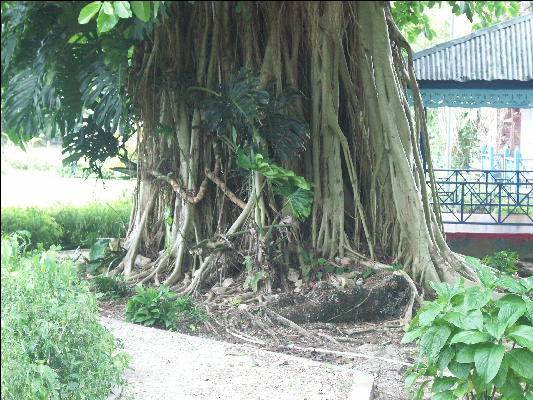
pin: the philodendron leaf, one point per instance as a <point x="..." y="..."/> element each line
<point x="434" y="340"/>
<point x="488" y="359"/>
<point x="470" y="337"/>
<point x="89" y="11"/>
<point x="521" y="361"/>
<point x="523" y="335"/>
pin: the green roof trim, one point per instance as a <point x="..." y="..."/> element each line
<point x="475" y="98"/>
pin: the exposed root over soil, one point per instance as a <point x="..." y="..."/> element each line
<point x="369" y="341"/>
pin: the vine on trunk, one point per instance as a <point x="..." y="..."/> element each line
<point x="235" y="166"/>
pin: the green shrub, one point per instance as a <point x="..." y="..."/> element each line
<point x="161" y="308"/>
<point x="503" y="261"/>
<point x="487" y="345"/>
<point x="52" y="344"/>
<point x="67" y="225"/>
<point x="187" y="311"/>
<point x="101" y="256"/>
<point x="110" y="287"/>
<point x="105" y="220"/>
<point x="42" y="227"/>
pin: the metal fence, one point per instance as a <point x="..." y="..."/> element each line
<point x="485" y="197"/>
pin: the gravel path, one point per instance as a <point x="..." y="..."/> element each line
<point x="169" y="365"/>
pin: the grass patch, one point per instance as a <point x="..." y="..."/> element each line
<point x="52" y="344"/>
<point x="67" y="225"/>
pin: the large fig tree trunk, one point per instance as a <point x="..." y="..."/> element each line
<point x="197" y="215"/>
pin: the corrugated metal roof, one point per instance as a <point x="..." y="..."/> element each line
<point x="500" y="52"/>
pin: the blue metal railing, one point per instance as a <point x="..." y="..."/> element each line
<point x="497" y="195"/>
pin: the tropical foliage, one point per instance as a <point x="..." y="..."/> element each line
<point x="486" y="344"/>
<point x="53" y="346"/>
<point x="344" y="159"/>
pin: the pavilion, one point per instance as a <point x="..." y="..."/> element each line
<point x="492" y="67"/>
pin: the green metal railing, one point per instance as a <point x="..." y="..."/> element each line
<point x="498" y="194"/>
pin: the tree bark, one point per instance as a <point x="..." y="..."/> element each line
<point x="363" y="155"/>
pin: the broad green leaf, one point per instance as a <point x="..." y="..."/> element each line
<point x="446" y="395"/>
<point x="107" y="7"/>
<point x="156" y="7"/>
<point x="445" y="291"/>
<point x="475" y="298"/>
<point x="105" y="22"/>
<point x="434" y="340"/>
<point x="461" y="390"/>
<point x="529" y="308"/>
<point x="479" y="383"/>
<point x="122" y="9"/>
<point x="495" y="328"/>
<point x="412" y="335"/>
<point x="521" y="361"/>
<point x="511" y="388"/>
<point x="510" y="284"/>
<point x="484" y="273"/>
<point x="488" y="359"/>
<point x="141" y="9"/>
<point x="459" y="370"/>
<point x="429" y="314"/>
<point x="472" y="320"/>
<point x="523" y="335"/>
<point x="89" y="11"/>
<point x="98" y="249"/>
<point x="527" y="283"/>
<point x="466" y="354"/>
<point x="411" y="379"/>
<point x="470" y="337"/>
<point x="512" y="307"/>
<point x="529" y="395"/>
<point x="501" y="376"/>
<point x="440" y="384"/>
<point x="446" y="355"/>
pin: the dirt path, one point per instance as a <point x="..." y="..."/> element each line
<point x="169" y="365"/>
